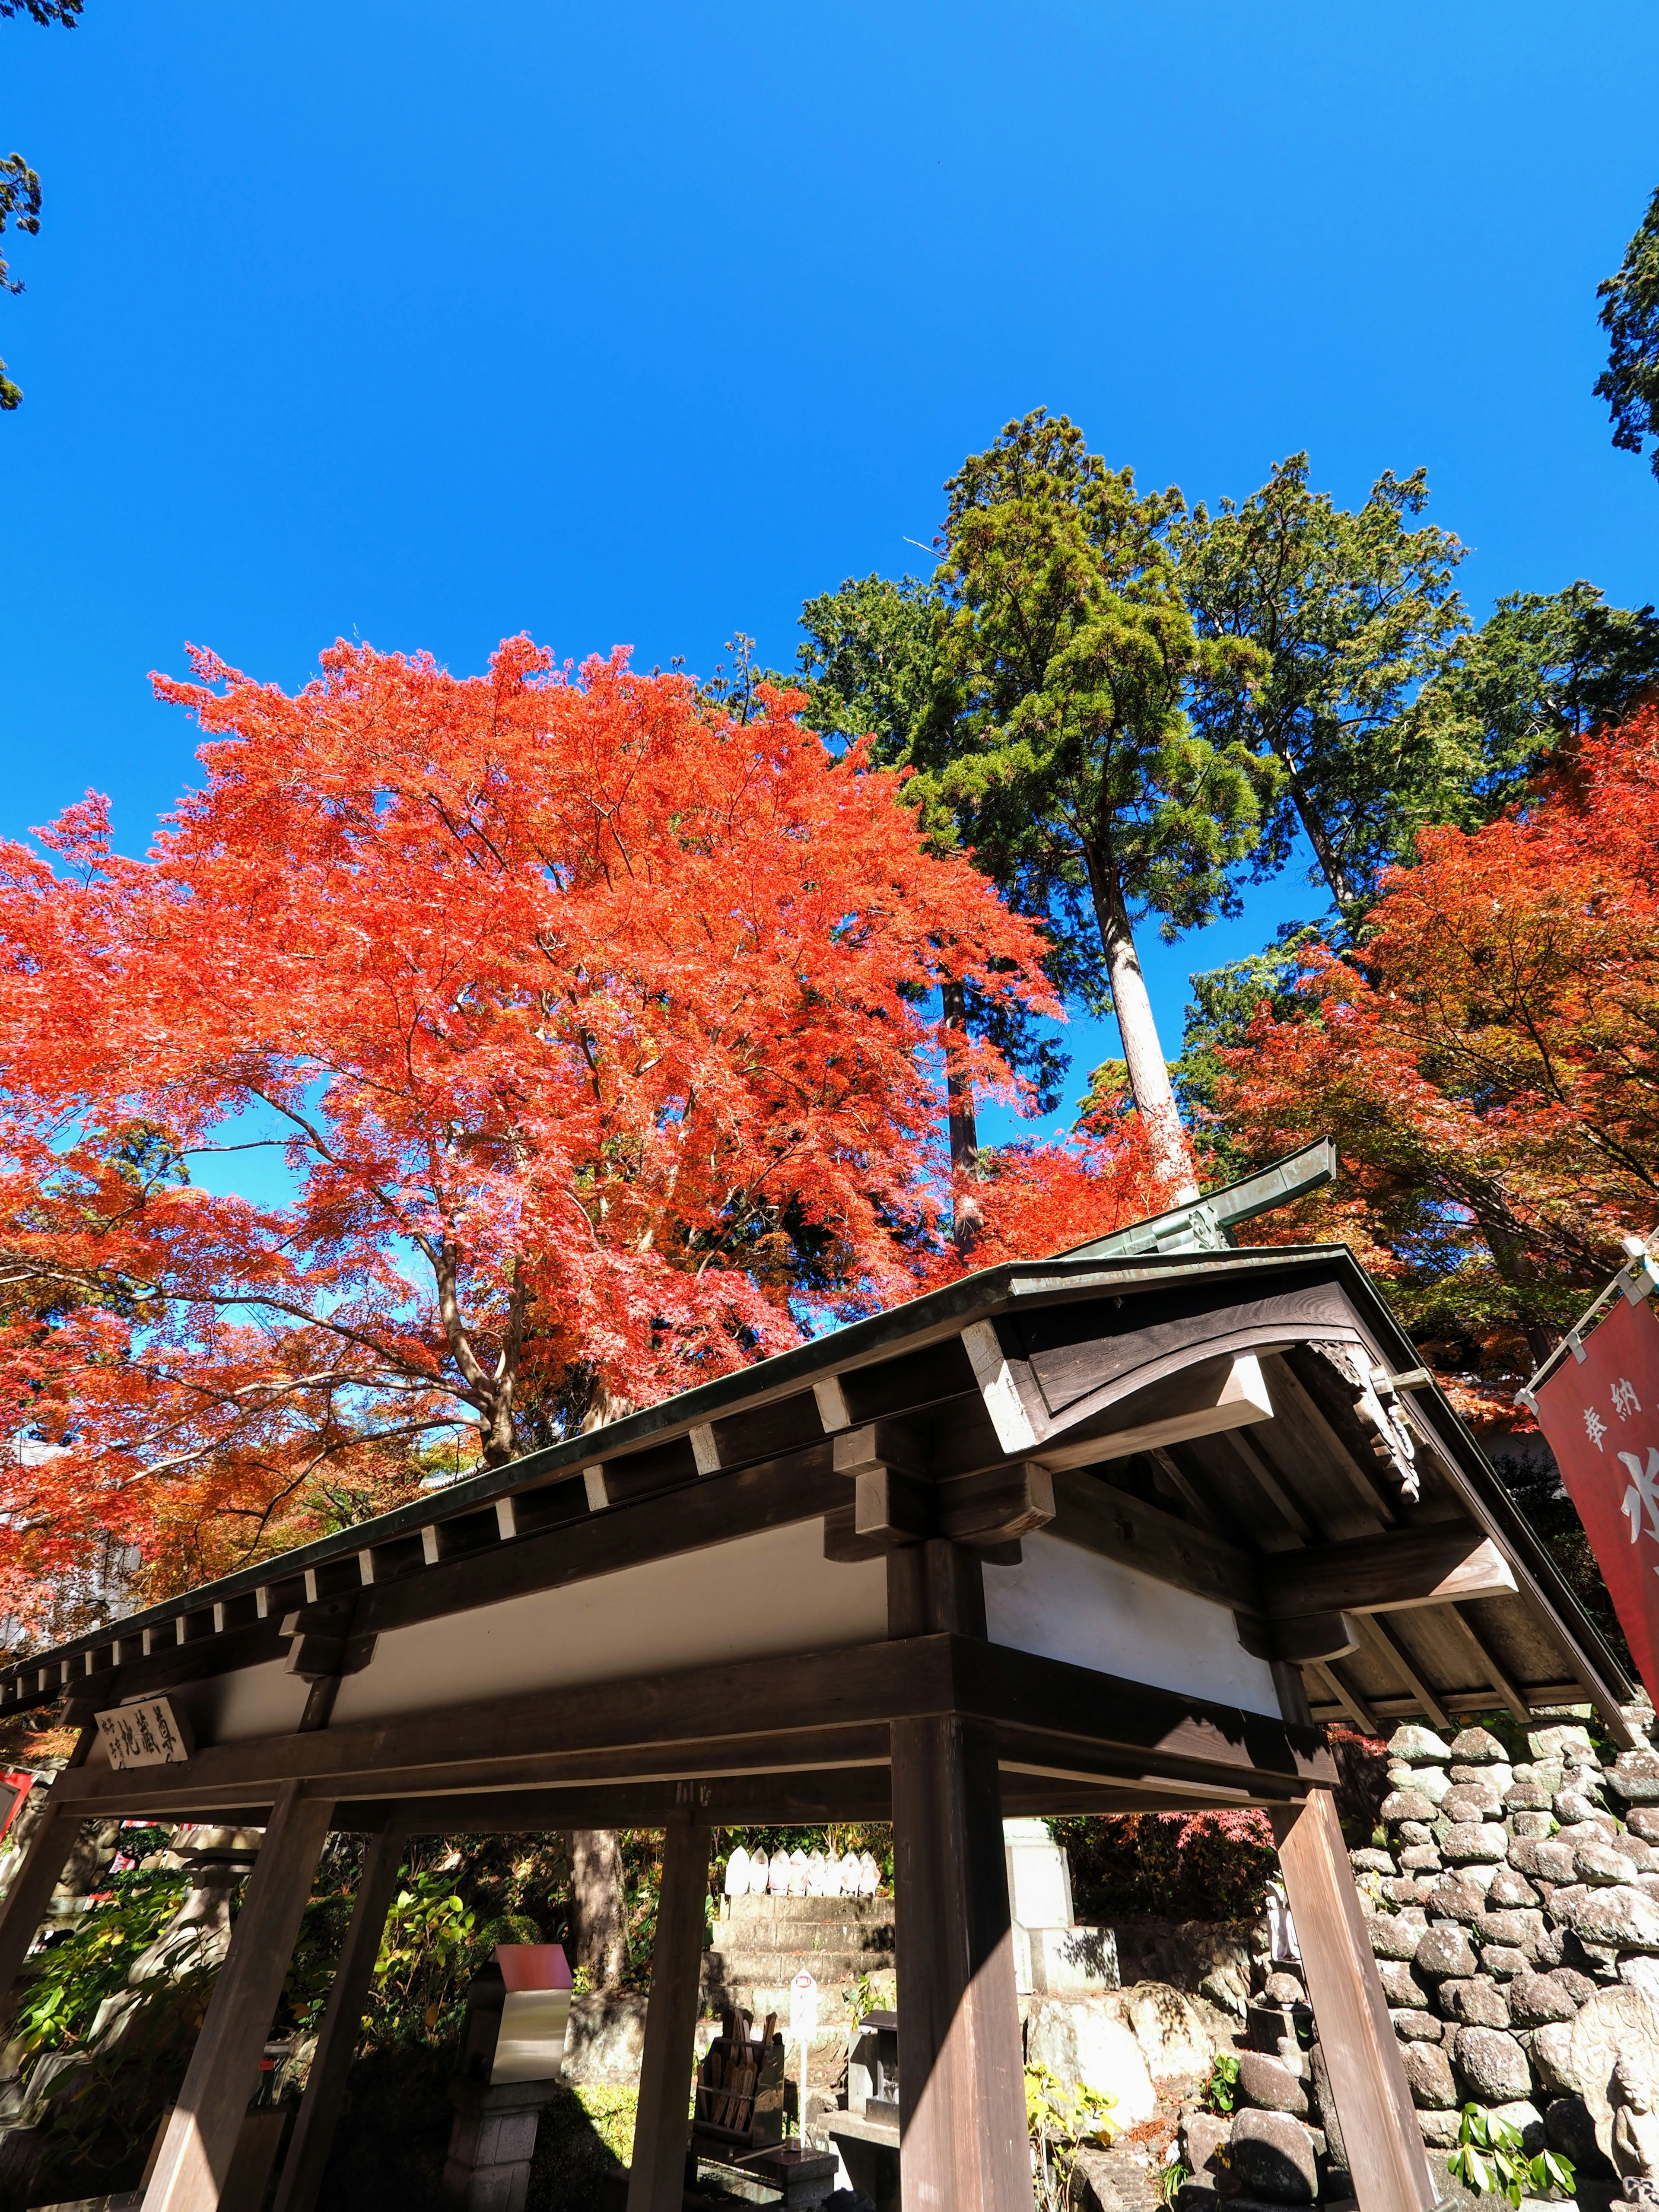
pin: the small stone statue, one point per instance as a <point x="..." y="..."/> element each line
<point x="1635" y="2127"/>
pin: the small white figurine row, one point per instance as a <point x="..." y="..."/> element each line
<point x="800" y="1874"/>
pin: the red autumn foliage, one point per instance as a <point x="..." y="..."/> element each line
<point x="598" y="1029"/>
<point x="1489" y="1066"/>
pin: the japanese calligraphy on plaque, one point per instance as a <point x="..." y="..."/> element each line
<point x="1601" y="1415"/>
<point x="149" y="1733"/>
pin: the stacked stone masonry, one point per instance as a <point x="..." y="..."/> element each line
<point x="1515" y="1905"/>
<point x="1510" y="1896"/>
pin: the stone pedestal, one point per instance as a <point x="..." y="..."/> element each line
<point x="1052" y="1954"/>
<point x="492" y="2143"/>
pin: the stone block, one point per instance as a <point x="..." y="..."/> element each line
<point x="1269" y="2084"/>
<point x="1403" y="1889"/>
<point x="1535" y="1999"/>
<point x="1597" y="1861"/>
<point x="1633" y="1778"/>
<point x="1553" y="1861"/>
<point x="1568" y="1742"/>
<point x="1456" y="1897"/>
<point x="1476" y="2003"/>
<point x="1503" y="1960"/>
<point x="1621" y="1917"/>
<point x="1446" y="1951"/>
<point x="1433" y="1781"/>
<point x="1642" y="1855"/>
<point x="1465" y="1841"/>
<point x="1524" y="2116"/>
<point x="1569" y="2128"/>
<point x="1574" y="1807"/>
<point x="1637" y="1973"/>
<point x="1644" y="1820"/>
<point x="1438" y="2128"/>
<point x="1530" y="1827"/>
<point x="1202" y="2135"/>
<point x="1471" y="1801"/>
<point x="1527" y="1797"/>
<point x="1421" y="1858"/>
<point x="1418" y="1746"/>
<point x="1084" y="2041"/>
<point x="1492" y="2065"/>
<point x="1510" y="1891"/>
<point x="1406" y="1805"/>
<point x="1414" y="2027"/>
<point x="1274" y="2158"/>
<point x="1393" y="1937"/>
<point x="1478" y="1747"/>
<point x="1324" y="2104"/>
<point x="1401" y="1988"/>
<point x="1429" y="2075"/>
<point x="1500" y="1927"/>
<point x="1551" y="2052"/>
<point x="1370" y="1862"/>
<point x="1284" y="1989"/>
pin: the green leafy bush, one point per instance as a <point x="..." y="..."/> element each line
<point x="1221" y="2093"/>
<point x="1490" y="2157"/>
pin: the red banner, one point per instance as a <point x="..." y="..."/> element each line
<point x="1601" y="1415"/>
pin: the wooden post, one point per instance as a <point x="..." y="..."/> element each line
<point x="44" y="1857"/>
<point x="657" y="2178"/>
<point x="1386" y="2158"/>
<point x="336" y="2043"/>
<point x="224" y="2067"/>
<point x="962" y="2095"/>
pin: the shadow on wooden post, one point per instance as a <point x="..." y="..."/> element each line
<point x="1386" y="2159"/>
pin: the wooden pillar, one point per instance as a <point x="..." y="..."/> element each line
<point x="1386" y="2157"/>
<point x="962" y="2093"/>
<point x="657" y="2178"/>
<point x="337" y="2041"/>
<point x="45" y="1856"/>
<point x="224" y="2068"/>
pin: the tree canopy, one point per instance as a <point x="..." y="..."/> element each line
<point x="1630" y="316"/>
<point x="1487" y="1065"/>
<point x="595" y="1025"/>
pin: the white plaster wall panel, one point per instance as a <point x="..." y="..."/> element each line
<point x="1064" y="1602"/>
<point x="254" y="1701"/>
<point x="757" y="1597"/>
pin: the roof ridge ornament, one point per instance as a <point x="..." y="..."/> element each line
<point x="1204" y="1225"/>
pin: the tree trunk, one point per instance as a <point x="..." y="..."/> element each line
<point x="1149" y="1073"/>
<point x="1319" y="838"/>
<point x="598" y="1917"/>
<point x="966" y="1215"/>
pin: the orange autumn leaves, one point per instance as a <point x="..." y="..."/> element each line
<point x="1488" y="1063"/>
<point x="601" y="1032"/>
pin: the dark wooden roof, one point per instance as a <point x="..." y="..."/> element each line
<point x="1353" y="1494"/>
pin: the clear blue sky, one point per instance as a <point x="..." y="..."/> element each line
<point x="640" y="323"/>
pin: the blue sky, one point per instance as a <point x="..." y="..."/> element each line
<point x="639" y="323"/>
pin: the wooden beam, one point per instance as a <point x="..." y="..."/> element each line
<point x="1384" y="1573"/>
<point x="905" y="1446"/>
<point x="1368" y="2079"/>
<point x="1350" y="1700"/>
<point x="1092" y="1514"/>
<point x="1310" y="1636"/>
<point x="998" y="1387"/>
<point x="45" y="1856"/>
<point x="1383" y="1643"/>
<point x="745" y="1718"/>
<point x="224" y="2068"/>
<point x="1208" y="1399"/>
<point x="336" y="2042"/>
<point x="997" y="1506"/>
<point x="962" y="2102"/>
<point x="891" y="1508"/>
<point x="1509" y="1692"/>
<point x="657" y="2178"/>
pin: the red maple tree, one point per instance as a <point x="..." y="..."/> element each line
<point x="598" y="1029"/>
<point x="1488" y="1063"/>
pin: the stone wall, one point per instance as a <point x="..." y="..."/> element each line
<point x="1509" y="1895"/>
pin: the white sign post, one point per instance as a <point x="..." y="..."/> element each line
<point x="802" y="2027"/>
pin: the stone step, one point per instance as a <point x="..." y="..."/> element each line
<point x="824" y="1967"/>
<point x="854" y="1911"/>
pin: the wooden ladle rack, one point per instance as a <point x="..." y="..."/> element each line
<point x="739" y="2100"/>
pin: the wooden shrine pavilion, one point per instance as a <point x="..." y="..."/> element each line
<point x="1111" y="1533"/>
